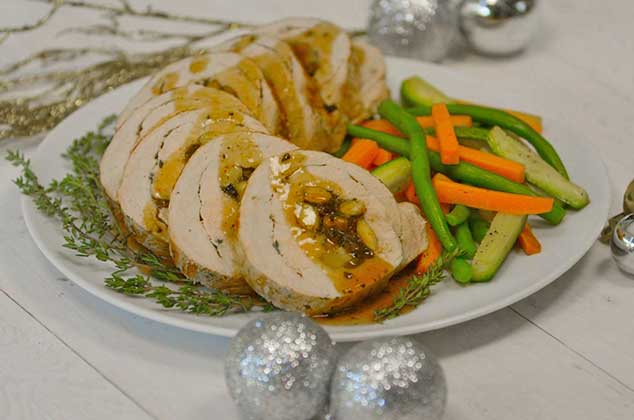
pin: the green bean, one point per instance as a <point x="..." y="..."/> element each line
<point x="457" y="215"/>
<point x="465" y="240"/>
<point x="479" y="227"/>
<point x="474" y="133"/>
<point x="421" y="172"/>
<point x="463" y="172"/>
<point x="461" y="270"/>
<point x="505" y="120"/>
<point x="347" y="142"/>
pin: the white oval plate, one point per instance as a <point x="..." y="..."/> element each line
<point x="449" y="303"/>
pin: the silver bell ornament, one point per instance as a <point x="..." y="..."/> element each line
<point x="389" y="378"/>
<point x="499" y="27"/>
<point x="420" y="29"/>
<point x="279" y="367"/>
<point x="622" y="243"/>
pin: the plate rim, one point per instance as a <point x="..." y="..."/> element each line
<point x="29" y="213"/>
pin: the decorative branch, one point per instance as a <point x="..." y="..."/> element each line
<point x="63" y="91"/>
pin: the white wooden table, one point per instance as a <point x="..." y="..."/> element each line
<point x="566" y="352"/>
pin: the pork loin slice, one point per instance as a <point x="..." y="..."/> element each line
<point x="142" y="120"/>
<point x="158" y="160"/>
<point x="321" y="47"/>
<point x="227" y="71"/>
<point x="413" y="236"/>
<point x="366" y="86"/>
<point x="288" y="83"/>
<point x="285" y="262"/>
<point x="204" y="208"/>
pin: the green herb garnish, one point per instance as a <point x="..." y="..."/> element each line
<point x="418" y="287"/>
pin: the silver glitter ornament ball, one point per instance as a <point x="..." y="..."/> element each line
<point x="499" y="27"/>
<point x="279" y="367"/>
<point x="389" y="378"/>
<point x="420" y="29"/>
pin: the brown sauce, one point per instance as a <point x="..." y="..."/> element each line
<point x="349" y="269"/>
<point x="245" y="82"/>
<point x="198" y="65"/>
<point x="363" y="313"/>
<point x="165" y="83"/>
<point x="213" y="123"/>
<point x="239" y="156"/>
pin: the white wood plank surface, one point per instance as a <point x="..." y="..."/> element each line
<point x="41" y="378"/>
<point x="563" y="353"/>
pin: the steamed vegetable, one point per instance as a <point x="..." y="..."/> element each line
<point x="505" y="120"/>
<point x="421" y="172"/>
<point x="395" y="174"/>
<point x="362" y="152"/>
<point x="465" y="240"/>
<point x="452" y="192"/>
<point x="538" y="172"/>
<point x="461" y="270"/>
<point x="529" y="243"/>
<point x="464" y="172"/>
<point x="498" y="242"/>
<point x="417" y="91"/>
<point x="479" y="227"/>
<point x="446" y="135"/>
<point x="456" y="120"/>
<point x="382" y="156"/>
<point x="431" y="254"/>
<point x="458" y="215"/>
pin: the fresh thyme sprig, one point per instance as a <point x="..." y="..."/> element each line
<point x="79" y="202"/>
<point x="418" y="287"/>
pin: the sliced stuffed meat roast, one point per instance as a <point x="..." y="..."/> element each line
<point x="316" y="238"/>
<point x="227" y="71"/>
<point x="158" y="160"/>
<point x="218" y="165"/>
<point x="142" y="121"/>
<point x="204" y="207"/>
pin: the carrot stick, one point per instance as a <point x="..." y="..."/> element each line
<point x="446" y="135"/>
<point x="362" y="152"/>
<point x="431" y="254"/>
<point x="452" y="192"/>
<point x="457" y="120"/>
<point x="382" y="156"/>
<point x="410" y="195"/>
<point x="529" y="243"/>
<point x="505" y="167"/>
<point x="382" y="125"/>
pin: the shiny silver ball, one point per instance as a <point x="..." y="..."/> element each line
<point x="499" y="27"/>
<point x="388" y="378"/>
<point x="420" y="29"/>
<point x="279" y="367"/>
<point x="622" y="243"/>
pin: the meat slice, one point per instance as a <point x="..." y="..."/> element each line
<point x="366" y="86"/>
<point x="204" y="208"/>
<point x="288" y="82"/>
<point x="413" y="236"/>
<point x="302" y="252"/>
<point x="143" y="120"/>
<point x="322" y="48"/>
<point x="227" y="71"/>
<point x="158" y="160"/>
